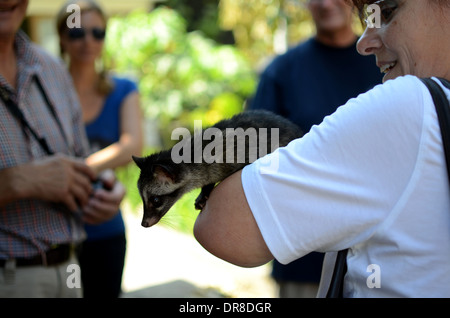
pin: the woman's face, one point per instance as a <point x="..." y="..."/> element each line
<point x="85" y="45"/>
<point x="413" y="39"/>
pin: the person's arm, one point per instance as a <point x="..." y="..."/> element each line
<point x="227" y="229"/>
<point x="55" y="179"/>
<point x="130" y="142"/>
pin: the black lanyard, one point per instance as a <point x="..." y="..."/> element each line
<point x="16" y="112"/>
<point x="443" y="111"/>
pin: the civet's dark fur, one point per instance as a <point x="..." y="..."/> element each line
<point x="162" y="182"/>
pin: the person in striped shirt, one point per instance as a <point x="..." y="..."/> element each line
<point x="46" y="195"/>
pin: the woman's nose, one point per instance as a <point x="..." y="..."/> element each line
<point x="369" y="42"/>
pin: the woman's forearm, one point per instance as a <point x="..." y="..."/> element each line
<point x="226" y="226"/>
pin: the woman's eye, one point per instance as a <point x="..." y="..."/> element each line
<point x="387" y="14"/>
<point x="388" y="8"/>
<point x="380" y="13"/>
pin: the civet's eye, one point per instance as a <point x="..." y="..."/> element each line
<point x="156" y="201"/>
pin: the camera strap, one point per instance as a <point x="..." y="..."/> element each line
<point x="14" y="109"/>
<point x="443" y="111"/>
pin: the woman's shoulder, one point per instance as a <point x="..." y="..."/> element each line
<point x="405" y="90"/>
<point x="122" y="86"/>
<point x="400" y="84"/>
<point x="397" y="105"/>
<point x="123" y="81"/>
<point x="404" y="81"/>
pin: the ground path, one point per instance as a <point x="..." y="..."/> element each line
<point x="162" y="262"/>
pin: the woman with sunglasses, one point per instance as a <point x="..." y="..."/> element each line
<point x="371" y="178"/>
<point x="111" y="113"/>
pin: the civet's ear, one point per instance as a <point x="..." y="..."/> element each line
<point x="140" y="162"/>
<point x="163" y="173"/>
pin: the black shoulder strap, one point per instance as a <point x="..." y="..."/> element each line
<point x="443" y="111"/>
<point x="337" y="280"/>
<point x="16" y="112"/>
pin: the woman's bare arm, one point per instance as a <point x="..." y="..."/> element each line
<point x="227" y="229"/>
<point x="130" y="142"/>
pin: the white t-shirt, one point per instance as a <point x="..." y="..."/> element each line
<point x="372" y="177"/>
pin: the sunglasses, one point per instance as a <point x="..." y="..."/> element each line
<point x="386" y="9"/>
<point x="80" y="33"/>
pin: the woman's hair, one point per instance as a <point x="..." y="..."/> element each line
<point x="359" y="4"/>
<point x="105" y="85"/>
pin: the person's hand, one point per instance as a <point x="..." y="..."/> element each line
<point x="104" y="203"/>
<point x="60" y="179"/>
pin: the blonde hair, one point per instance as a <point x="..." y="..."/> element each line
<point x="105" y="84"/>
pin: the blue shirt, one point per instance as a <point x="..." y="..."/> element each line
<point x="306" y="84"/>
<point x="102" y="132"/>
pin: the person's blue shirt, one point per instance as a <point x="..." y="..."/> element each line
<point x="102" y="132"/>
<point x="306" y="84"/>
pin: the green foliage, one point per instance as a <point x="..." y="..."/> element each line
<point x="259" y="25"/>
<point x="182" y="76"/>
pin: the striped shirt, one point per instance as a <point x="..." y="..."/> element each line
<point x="30" y="227"/>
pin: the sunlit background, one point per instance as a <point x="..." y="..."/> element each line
<point x="192" y="59"/>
